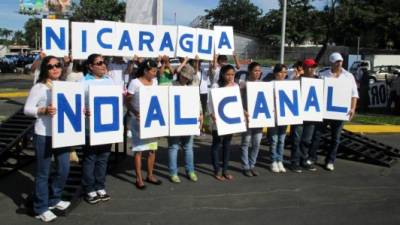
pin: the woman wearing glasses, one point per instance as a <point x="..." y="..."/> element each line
<point x="47" y="193"/>
<point x="95" y="158"/>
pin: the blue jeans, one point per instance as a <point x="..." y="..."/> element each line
<point x="336" y="127"/>
<point x="254" y="136"/>
<point x="296" y="153"/>
<point x="48" y="191"/>
<point x="225" y="140"/>
<point x="277" y="135"/>
<point x="174" y="144"/>
<point x="94" y="171"/>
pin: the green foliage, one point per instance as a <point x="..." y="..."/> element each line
<point x="377" y="22"/>
<point x="241" y="14"/>
<point x="33" y="31"/>
<point x="90" y="10"/>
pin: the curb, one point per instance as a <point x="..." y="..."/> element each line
<point x="17" y="94"/>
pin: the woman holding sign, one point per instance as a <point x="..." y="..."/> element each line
<point x="47" y="195"/>
<point x="185" y="78"/>
<point x="226" y="79"/>
<point x="95" y="158"/>
<point x="278" y="133"/>
<point x="145" y="76"/>
<point x="253" y="135"/>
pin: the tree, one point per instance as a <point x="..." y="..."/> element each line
<point x="90" y="10"/>
<point x="33" y="31"/>
<point x="18" y="38"/>
<point x="241" y="14"/>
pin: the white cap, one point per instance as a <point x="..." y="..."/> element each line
<point x="334" y="57"/>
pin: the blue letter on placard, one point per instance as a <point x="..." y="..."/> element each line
<point x="224" y="40"/>
<point x="284" y="100"/>
<point x="312" y="100"/>
<point x="186" y="45"/>
<point x="100" y="34"/>
<point x="125" y="41"/>
<point x="145" y="41"/>
<point x="64" y="108"/>
<point x="166" y="42"/>
<point x="221" y="113"/>
<point x="261" y="106"/>
<point x="178" y="119"/>
<point x="51" y="35"/>
<point x="84" y="40"/>
<point x="200" y="45"/>
<point x="330" y="107"/>
<point x="154" y="112"/>
<point x="98" y="102"/>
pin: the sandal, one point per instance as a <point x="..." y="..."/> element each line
<point x="228" y="176"/>
<point x="155" y="181"/>
<point x="140" y="187"/>
<point x="219" y="177"/>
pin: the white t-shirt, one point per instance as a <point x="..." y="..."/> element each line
<point x="345" y="76"/>
<point x="116" y="72"/>
<point x="133" y="89"/>
<point x="204" y="80"/>
<point x="39" y="96"/>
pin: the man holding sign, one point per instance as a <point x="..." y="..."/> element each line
<point x="348" y="87"/>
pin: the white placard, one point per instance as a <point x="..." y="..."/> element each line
<point x="126" y="43"/>
<point x="378" y="95"/>
<point x="80" y="40"/>
<point x="166" y="40"/>
<point x="288" y="102"/>
<point x="228" y="110"/>
<point x="184" y="111"/>
<point x="68" y="124"/>
<point x="205" y="44"/>
<point x="154" y="116"/>
<point x="260" y="104"/>
<point x="186" y="42"/>
<point x="312" y="99"/>
<point x="103" y="38"/>
<point x="145" y="46"/>
<point x="55" y="37"/>
<point x="106" y="119"/>
<point x="337" y="96"/>
<point x="224" y="41"/>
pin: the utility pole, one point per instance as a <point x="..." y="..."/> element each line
<point x="283" y="31"/>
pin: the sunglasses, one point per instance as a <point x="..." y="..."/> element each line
<point x="99" y="63"/>
<point x="52" y="66"/>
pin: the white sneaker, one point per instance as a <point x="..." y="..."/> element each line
<point x="274" y="167"/>
<point x="281" y="167"/>
<point x="330" y="167"/>
<point x="309" y="162"/>
<point x="129" y="134"/>
<point x="46" y="216"/>
<point x="61" y="205"/>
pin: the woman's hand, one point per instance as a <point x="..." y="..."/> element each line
<point x="86" y="112"/>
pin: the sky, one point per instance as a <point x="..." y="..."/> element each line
<point x="185" y="12"/>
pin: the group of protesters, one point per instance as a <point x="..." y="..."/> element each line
<point x="138" y="72"/>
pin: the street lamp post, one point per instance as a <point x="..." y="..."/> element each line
<point x="283" y="31"/>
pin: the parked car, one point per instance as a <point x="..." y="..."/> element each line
<point x="382" y="73"/>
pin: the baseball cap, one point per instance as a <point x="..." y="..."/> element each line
<point x="310" y="63"/>
<point x="334" y="57"/>
<point x="188" y="72"/>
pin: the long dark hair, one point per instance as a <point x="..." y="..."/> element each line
<point x="90" y="61"/>
<point x="221" y="81"/>
<point x="145" y="66"/>
<point x="44" y="72"/>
